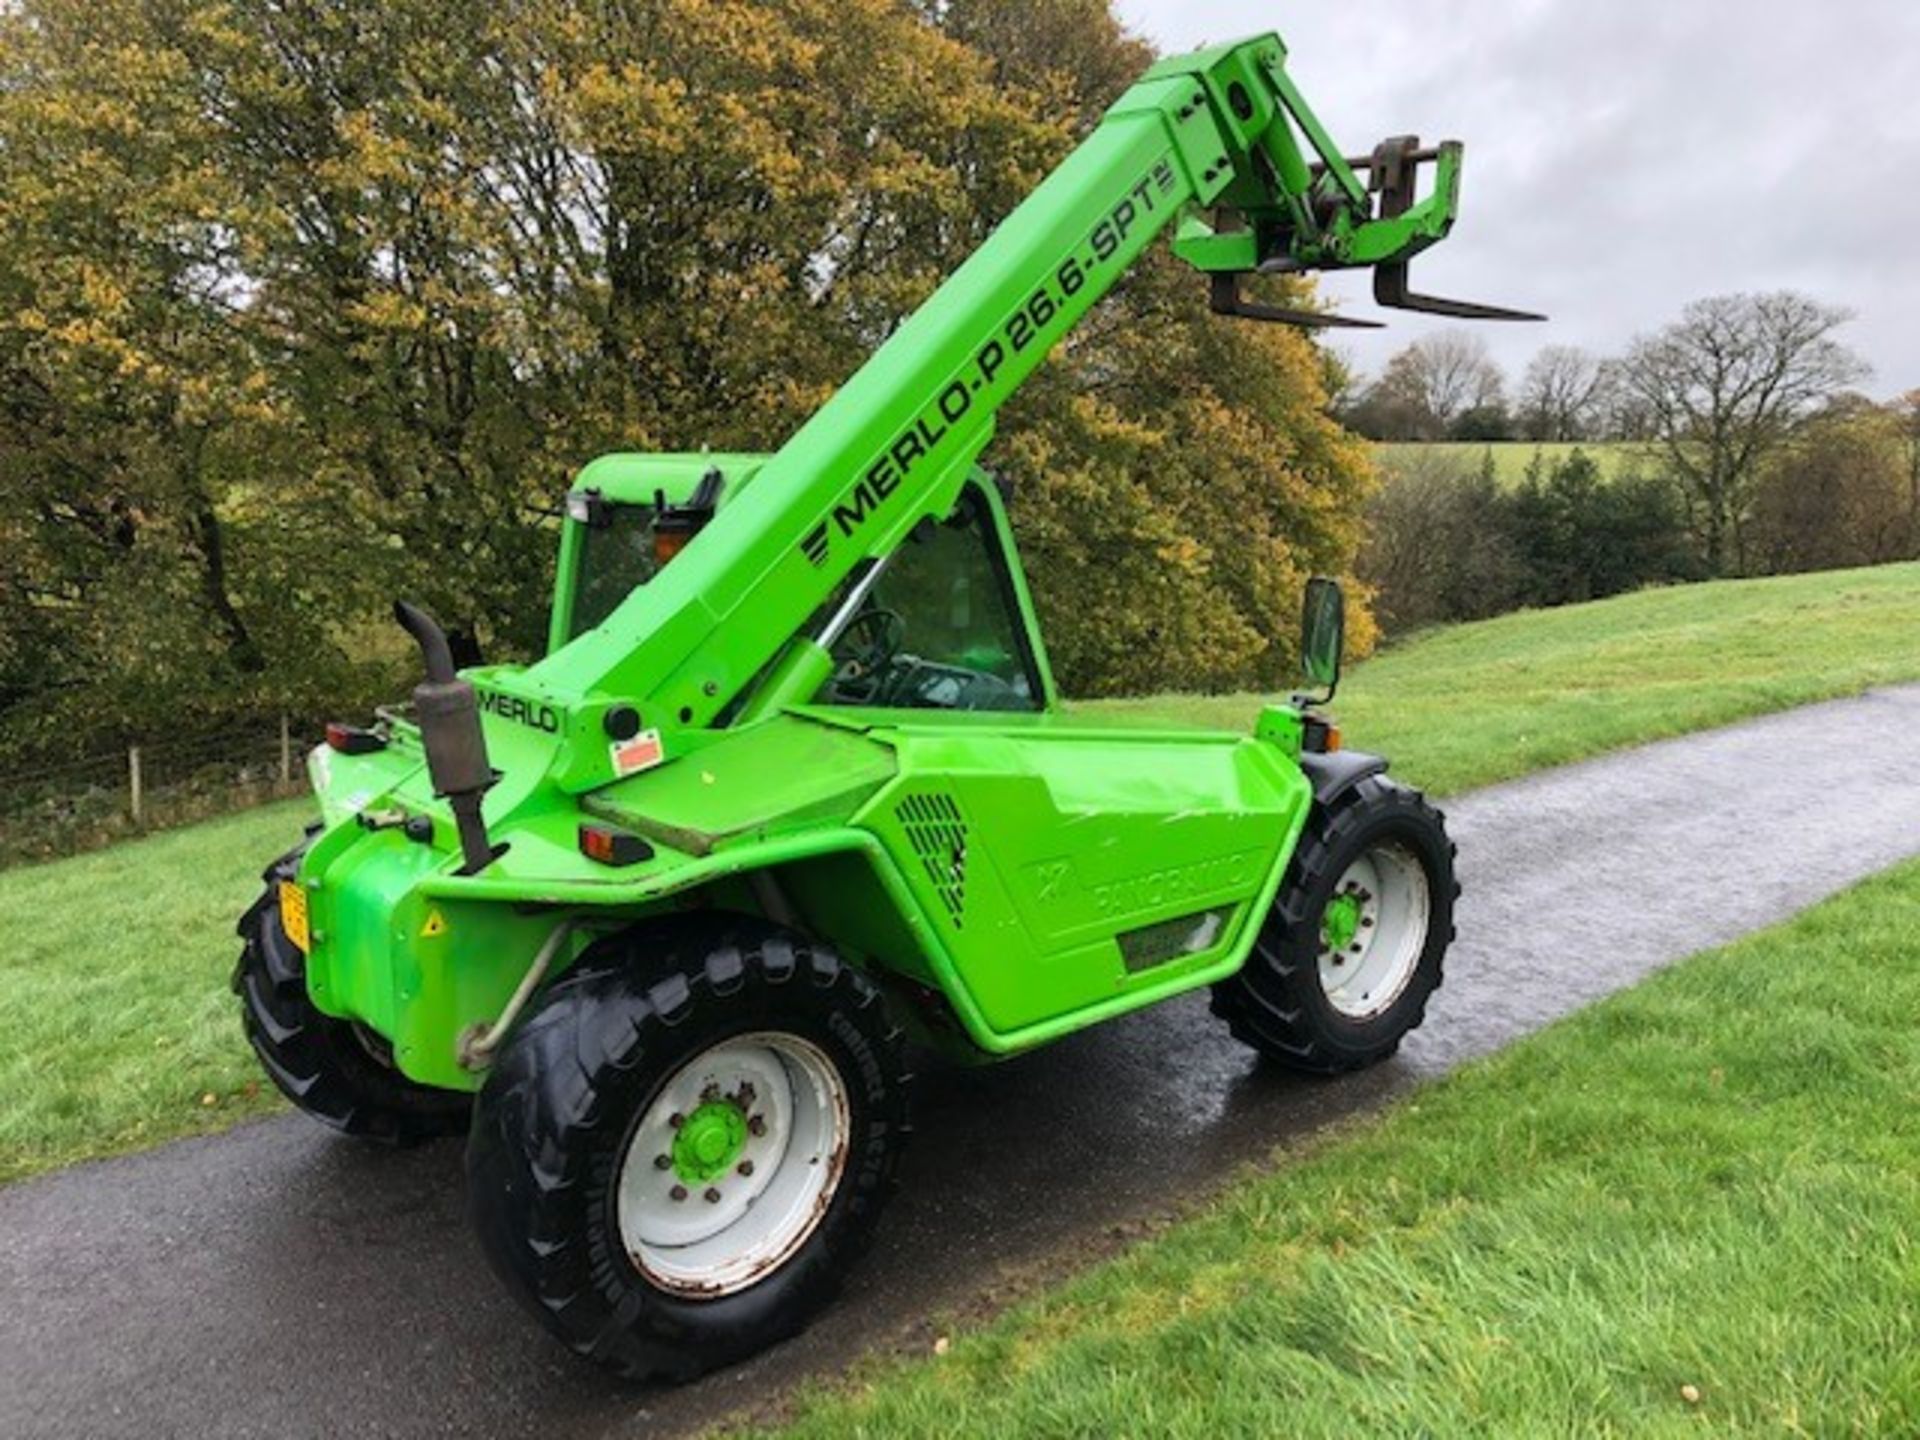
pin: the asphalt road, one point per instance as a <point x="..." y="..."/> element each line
<point x="275" y="1281"/>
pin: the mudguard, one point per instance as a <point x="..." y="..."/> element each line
<point x="1335" y="773"/>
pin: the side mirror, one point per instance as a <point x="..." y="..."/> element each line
<point x="1323" y="630"/>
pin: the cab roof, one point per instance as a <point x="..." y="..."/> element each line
<point x="632" y="477"/>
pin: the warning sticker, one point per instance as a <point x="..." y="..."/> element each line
<point x="436" y="925"/>
<point x="642" y="752"/>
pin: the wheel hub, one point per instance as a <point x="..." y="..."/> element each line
<point x="1342" y="922"/>
<point x="732" y="1163"/>
<point x="1373" y="930"/>
<point x="709" y="1142"/>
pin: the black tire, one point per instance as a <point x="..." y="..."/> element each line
<point x="1276" y="1002"/>
<point x="571" y="1084"/>
<point x="338" y="1073"/>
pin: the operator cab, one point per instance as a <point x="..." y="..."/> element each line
<point x="614" y="542"/>
<point x="947" y="624"/>
<point x="942" y="628"/>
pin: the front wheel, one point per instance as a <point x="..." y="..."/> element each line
<point x="1353" y="945"/>
<point x="681" y="1150"/>
<point x="339" y="1072"/>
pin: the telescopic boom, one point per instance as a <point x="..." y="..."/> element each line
<point x="1218" y="144"/>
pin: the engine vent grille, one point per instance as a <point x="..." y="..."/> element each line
<point x="938" y="834"/>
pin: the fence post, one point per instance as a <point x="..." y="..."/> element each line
<point x="286" y="753"/>
<point x="133" y="782"/>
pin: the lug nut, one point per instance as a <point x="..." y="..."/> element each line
<point x="678" y="1192"/>
<point x="746" y="1167"/>
<point x="1365" y="921"/>
<point x="713" y="1195"/>
<point x="710" y="1094"/>
<point x="757" y="1124"/>
<point x="676" y="1120"/>
<point x="662" y="1162"/>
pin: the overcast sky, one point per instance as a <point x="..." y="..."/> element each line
<point x="1626" y="156"/>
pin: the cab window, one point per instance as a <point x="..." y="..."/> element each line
<point x="616" y="558"/>
<point x="941" y="629"/>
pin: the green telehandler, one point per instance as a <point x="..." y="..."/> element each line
<point x="654" y="918"/>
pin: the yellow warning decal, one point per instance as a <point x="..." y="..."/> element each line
<point x="436" y="925"/>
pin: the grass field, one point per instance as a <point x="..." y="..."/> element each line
<point x="121" y="1031"/>
<point x="1511" y="457"/>
<point x="1473" y="704"/>
<point x="1693" y="1208"/>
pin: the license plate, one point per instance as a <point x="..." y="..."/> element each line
<point x="293" y="915"/>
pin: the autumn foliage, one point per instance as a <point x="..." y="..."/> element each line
<point x="305" y="306"/>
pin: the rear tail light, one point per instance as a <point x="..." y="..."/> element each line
<point x="613" y="847"/>
<point x="354" y="739"/>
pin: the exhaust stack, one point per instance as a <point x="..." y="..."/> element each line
<point x="449" y="715"/>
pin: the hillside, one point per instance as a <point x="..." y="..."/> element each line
<point x="1511" y="457"/>
<point x="1473" y="704"/>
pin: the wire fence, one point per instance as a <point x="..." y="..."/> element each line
<point x="91" y="802"/>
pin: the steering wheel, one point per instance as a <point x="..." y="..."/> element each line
<point x="928" y="684"/>
<point x="864" y="648"/>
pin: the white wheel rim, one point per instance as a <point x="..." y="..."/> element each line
<point x="707" y="1235"/>
<point x="1362" y="975"/>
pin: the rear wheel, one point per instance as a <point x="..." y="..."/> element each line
<point x="1353" y="945"/>
<point x="339" y="1072"/>
<point x="686" y="1143"/>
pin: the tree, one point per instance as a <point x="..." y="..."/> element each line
<point x="1560" y="394"/>
<point x="1483" y="423"/>
<point x="131" y="396"/>
<point x="1446" y="542"/>
<point x="1456" y="375"/>
<point x="1907" y="411"/>
<point x="1438" y="548"/>
<point x="1384" y="409"/>
<point x="1581" y="536"/>
<point x="305" y="306"/>
<point x="1723" y="388"/>
<point x="1430" y="385"/>
<point x="1618" y="413"/>
<point x="1838" y="494"/>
